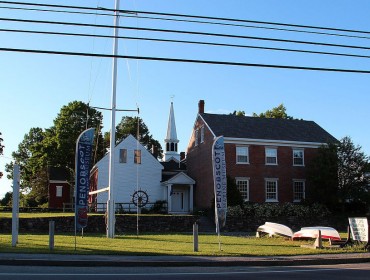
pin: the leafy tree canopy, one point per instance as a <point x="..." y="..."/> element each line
<point x="55" y="146"/>
<point x="129" y="125"/>
<point x="337" y="175"/>
<point x="238" y="113"/>
<point x="73" y="119"/>
<point x="278" y="112"/>
<point x="352" y="166"/>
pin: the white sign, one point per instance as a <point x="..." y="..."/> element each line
<point x="359" y="229"/>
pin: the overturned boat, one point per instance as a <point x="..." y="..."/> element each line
<point x="274" y="229"/>
<point x="313" y="232"/>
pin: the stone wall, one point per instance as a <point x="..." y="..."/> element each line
<point x="96" y="224"/>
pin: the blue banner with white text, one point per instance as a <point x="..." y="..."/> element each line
<point x="220" y="182"/>
<point x="84" y="147"/>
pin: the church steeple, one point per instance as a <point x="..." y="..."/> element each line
<point x="171" y="138"/>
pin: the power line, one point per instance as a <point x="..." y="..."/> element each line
<point x="189" y="16"/>
<point x="184" y="42"/>
<point x="193" y="21"/>
<point x="56" y="11"/>
<point x="187" y="32"/>
<point x="229" y="63"/>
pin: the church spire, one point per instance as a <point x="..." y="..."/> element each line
<point x="171" y="138"/>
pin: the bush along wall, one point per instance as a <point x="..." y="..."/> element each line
<point x="250" y="216"/>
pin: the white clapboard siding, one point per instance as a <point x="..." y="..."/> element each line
<point x="130" y="176"/>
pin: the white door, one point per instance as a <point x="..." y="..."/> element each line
<point x="179" y="202"/>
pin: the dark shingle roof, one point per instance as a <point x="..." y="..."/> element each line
<point x="173" y="165"/>
<point x="267" y="128"/>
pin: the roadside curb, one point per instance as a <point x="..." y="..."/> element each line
<point x="178" y="261"/>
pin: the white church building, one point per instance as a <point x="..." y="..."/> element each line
<point x="137" y="171"/>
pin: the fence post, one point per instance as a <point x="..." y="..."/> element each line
<point x="51" y="234"/>
<point x="195" y="237"/>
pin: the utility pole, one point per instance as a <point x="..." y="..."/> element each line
<point x="111" y="221"/>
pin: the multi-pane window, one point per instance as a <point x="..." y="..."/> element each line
<point x="137" y="156"/>
<point x="271" y="156"/>
<point x="196" y="136"/>
<point x="59" y="191"/>
<point x="243" y="187"/>
<point x="298" y="157"/>
<point x="122" y="156"/>
<point x="271" y="188"/>
<point x="298" y="190"/>
<point x="202" y="134"/>
<point x="242" y="154"/>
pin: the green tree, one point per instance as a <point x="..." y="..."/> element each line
<point x="234" y="196"/>
<point x="129" y="125"/>
<point x="352" y="166"/>
<point x="278" y="112"/>
<point x="73" y="119"/>
<point x="323" y="177"/>
<point x="337" y="176"/>
<point x="55" y="146"/>
<point x="7" y="200"/>
<point x="238" y="113"/>
<point x="26" y="154"/>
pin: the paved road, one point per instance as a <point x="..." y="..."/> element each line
<point x="338" y="272"/>
<point x="137" y="261"/>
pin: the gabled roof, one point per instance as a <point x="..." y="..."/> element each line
<point x="179" y="178"/>
<point x="266" y="128"/>
<point x="129" y="141"/>
<point x="173" y="165"/>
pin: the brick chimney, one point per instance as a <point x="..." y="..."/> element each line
<point x="201" y="107"/>
<point x="154" y="151"/>
<point x="182" y="156"/>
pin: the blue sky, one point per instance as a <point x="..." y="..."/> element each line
<point x="33" y="87"/>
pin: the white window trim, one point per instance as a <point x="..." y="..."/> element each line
<point x="120" y="158"/>
<point x="196" y="136"/>
<point x="202" y="134"/>
<point x="304" y="189"/>
<point x="244" y="179"/>
<point x="138" y="158"/>
<point x="271" y="148"/>
<point x="59" y="191"/>
<point x="236" y="155"/>
<point x="276" y="180"/>
<point x="298" y="149"/>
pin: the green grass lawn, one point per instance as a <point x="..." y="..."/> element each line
<point x="163" y="244"/>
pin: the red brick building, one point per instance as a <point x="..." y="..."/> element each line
<point x="266" y="157"/>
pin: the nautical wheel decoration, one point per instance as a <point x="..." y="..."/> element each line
<point x="140" y="198"/>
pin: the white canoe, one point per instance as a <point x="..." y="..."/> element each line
<point x="274" y="229"/>
<point x="313" y="232"/>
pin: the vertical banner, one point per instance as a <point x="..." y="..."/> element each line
<point x="83" y="159"/>
<point x="220" y="182"/>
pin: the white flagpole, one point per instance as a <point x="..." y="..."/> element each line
<point x="15" y="206"/>
<point x="110" y="203"/>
